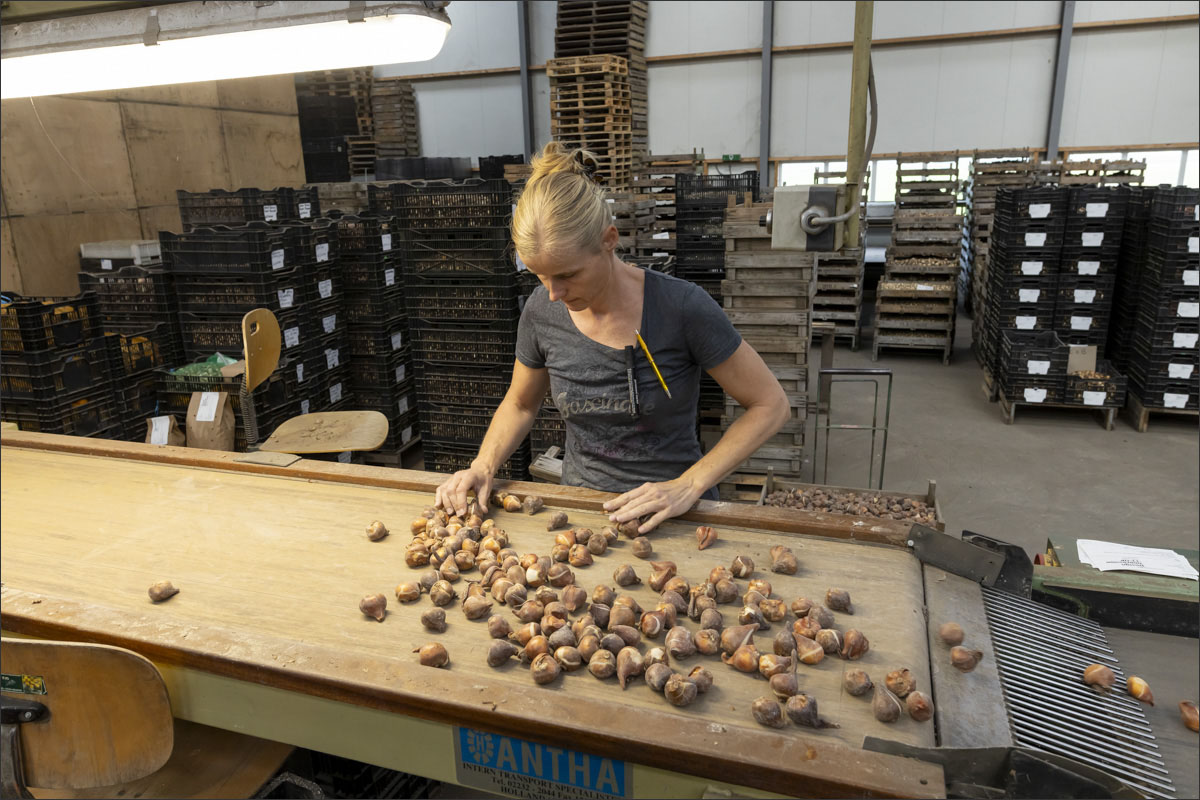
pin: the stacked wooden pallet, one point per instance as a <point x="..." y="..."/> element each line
<point x="590" y="107"/>
<point x="655" y="179"/>
<point x="915" y="306"/>
<point x="354" y="83"/>
<point x="394" y="107"/>
<point x="990" y="170"/>
<point x="767" y="295"/>
<point x="1098" y="172"/>
<point x="633" y="214"/>
<point x="349" y="197"/>
<point x="586" y="28"/>
<point x="837" y="298"/>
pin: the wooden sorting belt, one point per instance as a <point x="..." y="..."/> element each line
<point x="271" y="563"/>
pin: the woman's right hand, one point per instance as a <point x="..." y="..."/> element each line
<point x="452" y="495"/>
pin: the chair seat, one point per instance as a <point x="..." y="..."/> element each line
<point x="329" y="432"/>
<point x="206" y="762"/>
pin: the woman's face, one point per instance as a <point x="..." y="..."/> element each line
<point x="577" y="276"/>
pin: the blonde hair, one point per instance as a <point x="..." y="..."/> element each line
<point x="561" y="208"/>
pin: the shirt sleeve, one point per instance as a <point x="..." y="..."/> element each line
<point x="711" y="336"/>
<point x="529" y="347"/>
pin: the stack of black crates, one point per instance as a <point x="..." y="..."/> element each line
<point x="380" y="352"/>
<point x="1162" y="340"/>
<point x="251" y="249"/>
<point x="58" y="367"/>
<point x="460" y="290"/>
<point x="1091" y="249"/>
<point x="700" y="203"/>
<point x="135" y="298"/>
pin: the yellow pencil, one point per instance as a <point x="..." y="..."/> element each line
<point x="649" y="357"/>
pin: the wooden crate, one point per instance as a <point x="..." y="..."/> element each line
<point x="774" y="483"/>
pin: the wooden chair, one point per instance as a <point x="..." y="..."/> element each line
<point x="90" y="720"/>
<point x="321" y="432"/>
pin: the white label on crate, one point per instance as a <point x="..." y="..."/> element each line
<point x="325" y="288"/>
<point x="1035" y="239"/>
<point x="303" y="406"/>
<point x="403" y="404"/>
<point x="1094" y="398"/>
<point x="401" y="371"/>
<point x="335" y="393"/>
<point x="924" y="287"/>
<point x="664" y="235"/>
<point x="389" y="277"/>
<point x="159" y="428"/>
<point x="1029" y="295"/>
<point x="322" y="252"/>
<point x="1088" y="267"/>
<point x="276" y="259"/>
<point x="1097" y="209"/>
<point x="1081" y="323"/>
<point x="1191" y="277"/>
<point x="1189" y="310"/>
<point x="1186" y="340"/>
<point x="1039" y="210"/>
<point x="386" y="241"/>
<point x="1026" y="323"/>
<point x="206" y="411"/>
<point x="329" y="323"/>
<point x="286" y="296"/>
<point x="344" y="458"/>
<point x="397" y="340"/>
<point x="1085" y="295"/>
<point x="291" y="337"/>
<point x="1092" y="238"/>
<point x="406" y="435"/>
<point x="1180" y="370"/>
<point x="300" y="373"/>
<point x="1194" y="244"/>
<point x="1172" y="400"/>
<point x="610" y="199"/>
<point x="271" y="213"/>
<point x="1035" y="395"/>
<point x="305" y="210"/>
<point x="1031" y="267"/>
<point x="332" y="358"/>
<point x="656" y="255"/>
<point x="106" y="263"/>
<point x="1037" y="367"/>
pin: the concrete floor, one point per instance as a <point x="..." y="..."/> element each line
<point x="1051" y="474"/>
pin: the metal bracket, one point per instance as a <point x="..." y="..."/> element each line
<point x="153" y="29"/>
<point x="357" y="12"/>
<point x="16" y="710"/>
<point x="979" y="558"/>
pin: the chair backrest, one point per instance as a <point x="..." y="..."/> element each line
<point x="260" y="346"/>
<point x="110" y="717"/>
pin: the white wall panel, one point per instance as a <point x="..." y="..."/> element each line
<point x="714" y="105"/>
<point x="799" y="22"/>
<point x="690" y="26"/>
<point x="1132" y="86"/>
<point x="543" y="17"/>
<point x="470" y="116"/>
<point x="483" y="35"/>
<point x="1107" y="10"/>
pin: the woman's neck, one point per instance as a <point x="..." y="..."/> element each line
<point x="617" y="294"/>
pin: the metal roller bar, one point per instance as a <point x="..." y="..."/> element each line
<point x="1040" y="655"/>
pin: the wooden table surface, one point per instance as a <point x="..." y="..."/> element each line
<point x="271" y="563"/>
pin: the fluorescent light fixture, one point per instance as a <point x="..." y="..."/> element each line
<point x="278" y="38"/>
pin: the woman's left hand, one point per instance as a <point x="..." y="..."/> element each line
<point x="662" y="500"/>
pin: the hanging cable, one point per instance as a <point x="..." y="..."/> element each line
<point x="818" y="221"/>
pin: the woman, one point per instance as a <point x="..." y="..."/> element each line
<point x="576" y="338"/>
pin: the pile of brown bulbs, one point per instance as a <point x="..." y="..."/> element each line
<point x="541" y="592"/>
<point x="865" y="504"/>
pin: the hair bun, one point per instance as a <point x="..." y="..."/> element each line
<point x="556" y="158"/>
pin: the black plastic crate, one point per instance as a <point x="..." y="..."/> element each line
<point x="237" y="207"/>
<point x="435" y="348"/>
<point x="1081" y="319"/>
<point x="254" y="248"/>
<point x="392" y="402"/>
<point x="1008" y="290"/>
<point x="1017" y="203"/>
<point x="1000" y="264"/>
<point x="483" y="389"/>
<point x="1023" y="318"/>
<point x="377" y="340"/>
<point x="204" y="335"/>
<point x="458" y="252"/>
<point x="1001" y="251"/>
<point x="461" y="300"/>
<point x="711" y="260"/>
<point x="47" y="373"/>
<point x="1082" y="265"/>
<point x="33" y="324"/>
<point x="1107" y="391"/>
<point x="401" y="430"/>
<point x="366" y="235"/>
<point x="328" y="393"/>
<point x="379" y="372"/>
<point x="1031" y="389"/>
<point x="137" y="351"/>
<point x="1032" y="353"/>
<point x="374" y="273"/>
<point x="454" y="455"/>
<point x="430" y="205"/>
<point x="446" y="422"/>
<point x="82" y="413"/>
<point x="492" y="167"/>
<point x="136" y="397"/>
<point x="175" y="393"/>
<point x="136" y="290"/>
<point x="239" y="293"/>
<point x="1182" y="396"/>
<point x="1176" y="203"/>
<point x="374" y="308"/>
<point x="1077" y="291"/>
<point x="713" y="190"/>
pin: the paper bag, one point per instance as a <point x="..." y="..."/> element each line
<point x="164" y="431"/>
<point x="210" y="422"/>
<point x="1081" y="358"/>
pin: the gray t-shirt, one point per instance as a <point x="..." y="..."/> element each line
<point x="607" y="448"/>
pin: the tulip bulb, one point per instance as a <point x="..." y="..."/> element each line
<point x="801" y="709"/>
<point x="702" y="678"/>
<point x="1190" y="715"/>
<point x="629" y="664"/>
<point x="783" y="560"/>
<point x="900" y="682"/>
<point x="1094" y="675"/>
<point x="708" y="641"/>
<point x="706" y="537"/>
<point x="526" y="632"/>
<point x="603" y="664"/>
<point x="886" y="706"/>
<point x="434" y="620"/>
<point x="500" y="652"/>
<point x="569" y="658"/>
<point x="1139" y="689"/>
<point x="498" y="627"/>
<point x="855" y="645"/>
<point x="801" y="606"/>
<point x="964" y="659"/>
<point x="919" y="706"/>
<point x="770" y="664"/>
<point x="442" y="593"/>
<point x="558" y="519"/>
<point x="563" y="637"/>
<point x="831" y="641"/>
<point x="839" y="600"/>
<point x="808" y="651"/>
<point x="597" y="545"/>
<point x="432" y="655"/>
<point x="767" y="712"/>
<point x="476" y="607"/>
<point x="625" y="576"/>
<point x="377" y="530"/>
<point x="711" y="619"/>
<point x="641" y="547"/>
<point x="822" y="615"/>
<point x="735" y="637"/>
<point x="742" y="566"/>
<point x="679" y="643"/>
<point x="574" y="598"/>
<point x="744" y="659"/>
<point x="373" y="605"/>
<point x="544" y="669"/>
<point x="951" y="633"/>
<point x="857" y="682"/>
<point x="512" y="503"/>
<point x="657" y="675"/>
<point x="679" y="691"/>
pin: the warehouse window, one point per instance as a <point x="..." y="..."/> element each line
<point x="883" y="180"/>
<point x="798" y="173"/>
<point x="1191" y="168"/>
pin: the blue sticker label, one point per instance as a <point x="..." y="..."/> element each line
<point x="521" y="768"/>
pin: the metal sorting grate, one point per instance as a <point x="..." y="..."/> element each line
<point x="1041" y="653"/>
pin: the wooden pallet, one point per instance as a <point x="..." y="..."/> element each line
<point x="1008" y="410"/>
<point x="1139" y="414"/>
<point x="586" y="65"/>
<point x="915" y="340"/>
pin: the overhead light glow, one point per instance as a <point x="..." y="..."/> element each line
<point x="243" y="54"/>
